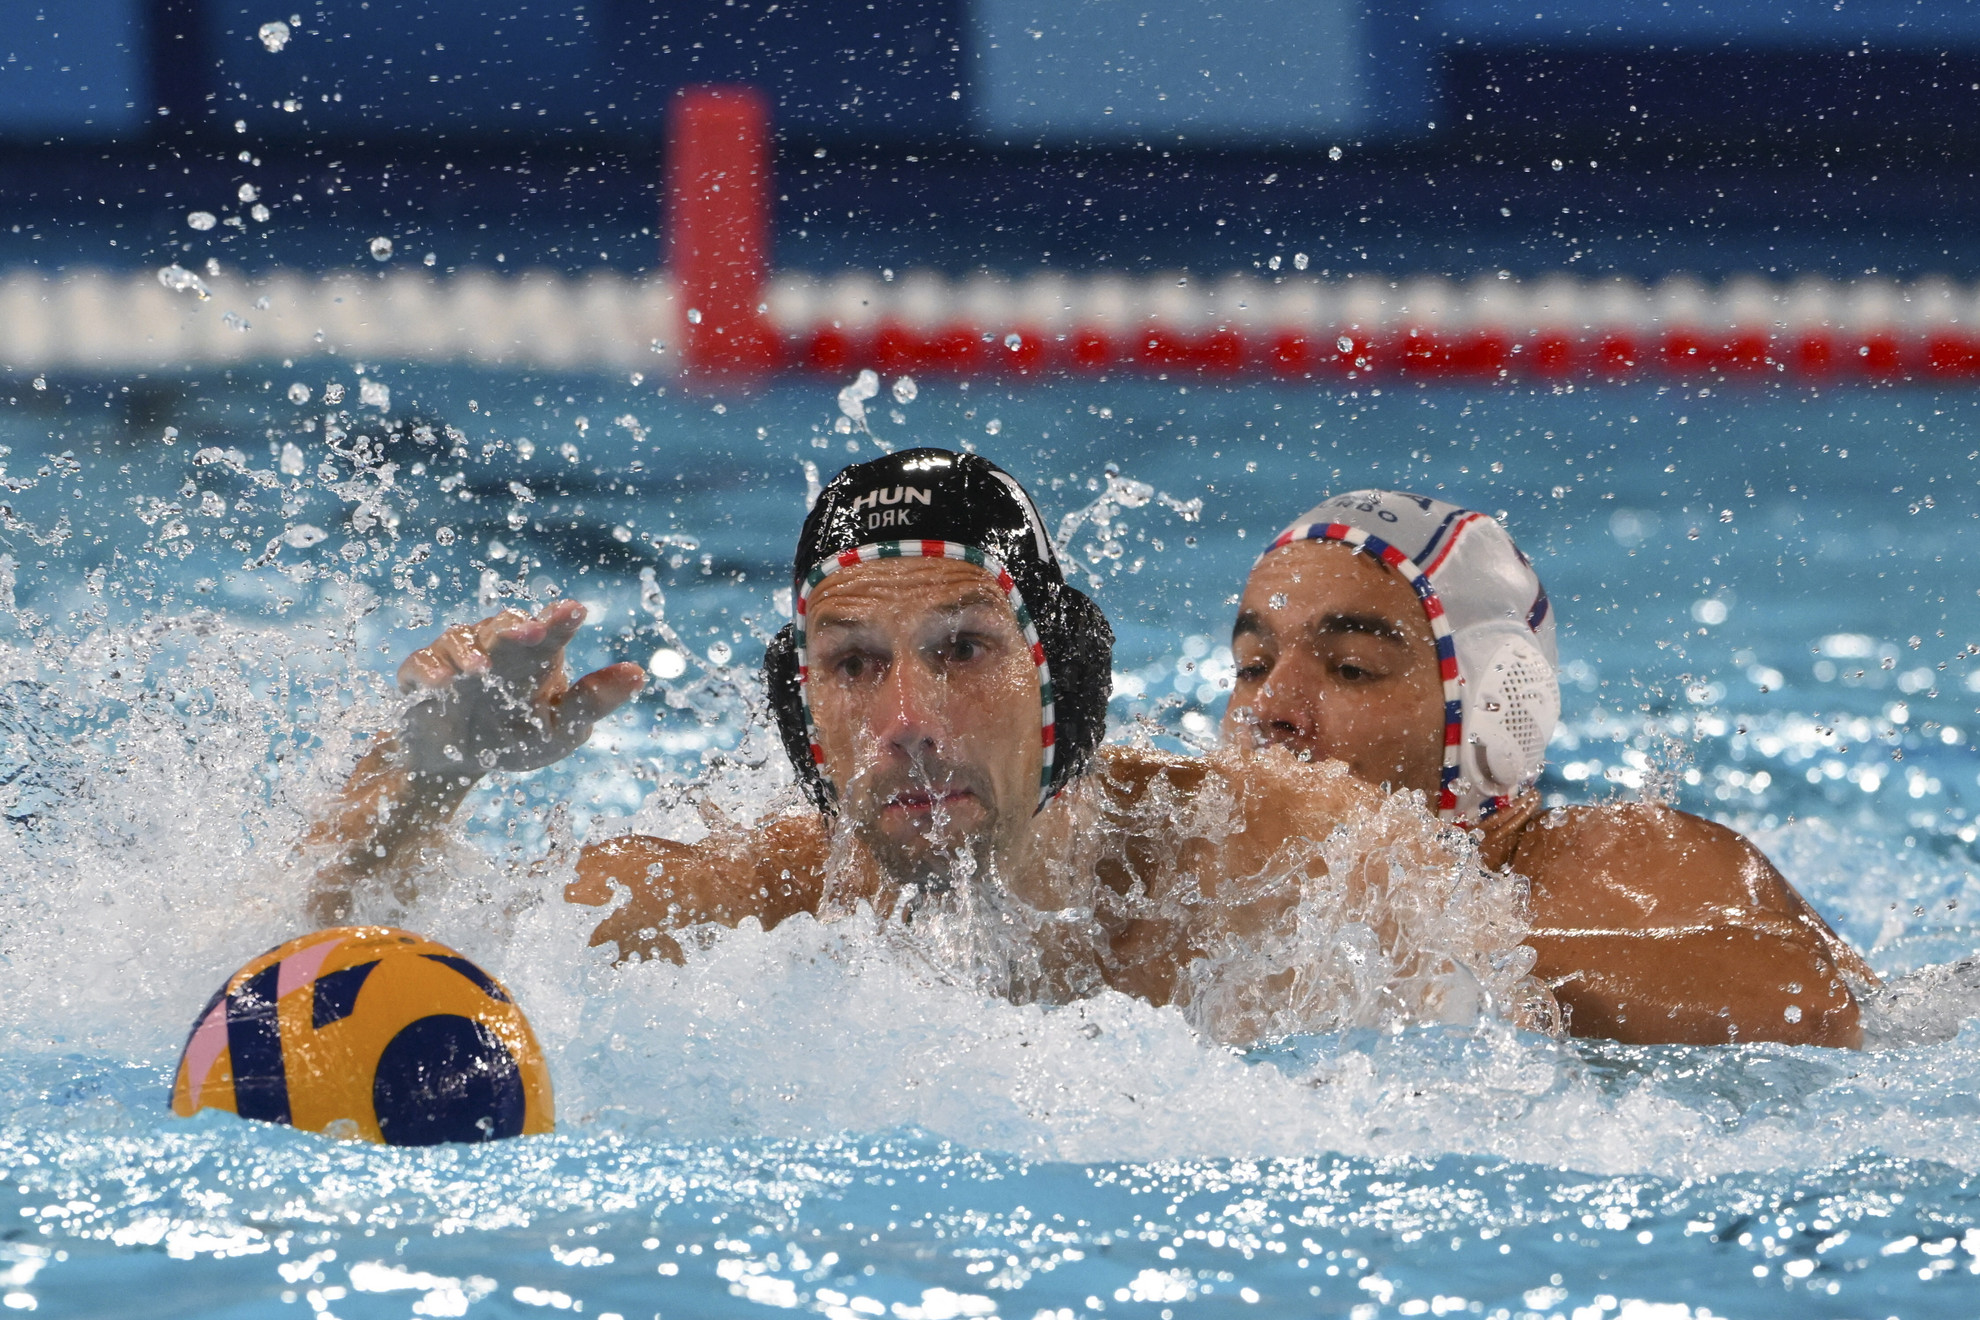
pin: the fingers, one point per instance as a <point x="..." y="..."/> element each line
<point x="599" y="693"/>
<point x="436" y="666"/>
<point x="424" y="669"/>
<point x="636" y="942"/>
<point x="528" y="650"/>
<point x="514" y="646"/>
<point x="589" y="890"/>
<point x="525" y="712"/>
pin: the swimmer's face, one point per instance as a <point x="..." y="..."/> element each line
<point x="925" y="699"/>
<point x="1335" y="659"/>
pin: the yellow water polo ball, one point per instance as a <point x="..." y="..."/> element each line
<point x="367" y="1031"/>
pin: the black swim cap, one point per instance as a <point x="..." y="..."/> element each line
<point x="931" y="503"/>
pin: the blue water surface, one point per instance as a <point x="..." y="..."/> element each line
<point x="1768" y="607"/>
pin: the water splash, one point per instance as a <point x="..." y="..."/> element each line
<point x="852" y="399"/>
<point x="180" y="280"/>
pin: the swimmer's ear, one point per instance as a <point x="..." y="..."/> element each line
<point x="1082" y="681"/>
<point x="786" y="697"/>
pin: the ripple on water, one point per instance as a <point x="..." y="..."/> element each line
<point x="804" y="1119"/>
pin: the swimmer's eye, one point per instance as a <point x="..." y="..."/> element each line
<point x="1254" y="672"/>
<point x="963" y="648"/>
<point x="1354" y="673"/>
<point x="850" y="666"/>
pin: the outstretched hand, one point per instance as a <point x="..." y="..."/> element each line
<point x="494" y="695"/>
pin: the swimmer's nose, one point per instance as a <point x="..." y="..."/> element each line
<point x="1286" y="713"/>
<point x="909" y="714"/>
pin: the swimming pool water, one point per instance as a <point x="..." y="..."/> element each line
<point x="1768" y="610"/>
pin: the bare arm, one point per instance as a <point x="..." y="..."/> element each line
<point x="493" y="696"/>
<point x="770" y="873"/>
<point x="1656" y="927"/>
<point x="1253" y="879"/>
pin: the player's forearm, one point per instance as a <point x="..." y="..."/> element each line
<point x="383" y="818"/>
<point x="1699" y="986"/>
<point x="771" y="873"/>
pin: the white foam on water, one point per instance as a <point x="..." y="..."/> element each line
<point x="167" y="859"/>
<point x="168" y="767"/>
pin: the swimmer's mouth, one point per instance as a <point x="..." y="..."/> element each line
<point x="922" y="799"/>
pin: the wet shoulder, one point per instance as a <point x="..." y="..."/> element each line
<point x="1632" y="860"/>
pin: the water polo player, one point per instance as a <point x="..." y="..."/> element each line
<point x="1411" y="639"/>
<point x="942" y="694"/>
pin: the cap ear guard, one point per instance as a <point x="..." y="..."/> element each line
<point x="1492" y="626"/>
<point x="1512" y="701"/>
<point x="1080" y="642"/>
<point x="786" y="696"/>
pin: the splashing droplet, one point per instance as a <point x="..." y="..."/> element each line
<point x="180" y="280"/>
<point x="381" y="249"/>
<point x="852" y="399"/>
<point x="905" y="390"/>
<point x="1299" y="261"/>
<point x="994" y="426"/>
<point x="1345" y="344"/>
<point x="247" y="192"/>
<point x="694" y="316"/>
<point x="298" y="393"/>
<point x="1013" y="342"/>
<point x="201" y="220"/>
<point x="275" y="35"/>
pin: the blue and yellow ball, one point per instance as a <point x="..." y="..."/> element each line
<point x="367" y="1031"/>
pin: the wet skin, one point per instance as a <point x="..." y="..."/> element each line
<point x="1652" y="925"/>
<point x="1335" y="659"/>
<point x="918" y="682"/>
<point x="926" y="706"/>
<point x="925" y="702"/>
<point x="491" y="695"/>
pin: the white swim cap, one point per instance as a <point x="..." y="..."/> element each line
<point x="1493" y="627"/>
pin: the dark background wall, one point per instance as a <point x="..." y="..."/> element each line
<point x="1454" y="135"/>
<point x="1284" y="72"/>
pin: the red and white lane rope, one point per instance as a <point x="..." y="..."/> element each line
<point x="1289" y="327"/>
<point x="1294" y="327"/>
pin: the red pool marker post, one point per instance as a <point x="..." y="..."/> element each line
<point x="718" y="198"/>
